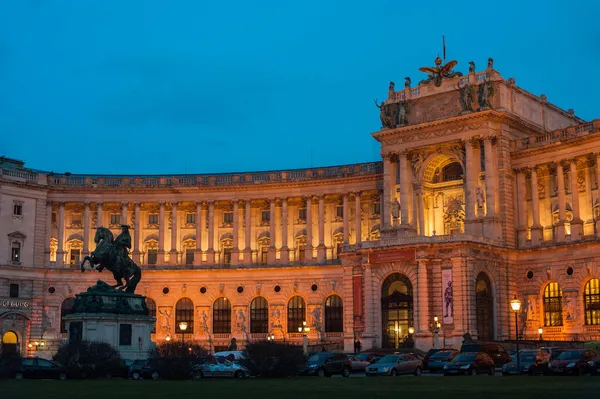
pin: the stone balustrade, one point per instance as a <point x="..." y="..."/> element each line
<point x="557" y="136"/>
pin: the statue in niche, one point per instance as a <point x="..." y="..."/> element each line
<point x="471" y="67"/>
<point x="466" y="97"/>
<point x="276" y="316"/>
<point x="385" y="115"/>
<point x="480" y="198"/>
<point x="395" y="209"/>
<point x="570" y="308"/>
<point x="486" y="92"/>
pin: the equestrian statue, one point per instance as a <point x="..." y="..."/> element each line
<point x="114" y="256"/>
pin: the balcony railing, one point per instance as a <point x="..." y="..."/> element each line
<point x="557" y="136"/>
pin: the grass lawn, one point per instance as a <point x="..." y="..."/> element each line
<point x="483" y="387"/>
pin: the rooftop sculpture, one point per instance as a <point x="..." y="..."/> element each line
<point x="439" y="71"/>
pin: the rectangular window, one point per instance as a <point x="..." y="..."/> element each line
<point x="16" y="252"/>
<point x="75" y="257"/>
<point x="376" y="209"/>
<point x="340" y="211"/>
<point x="76" y="219"/>
<point x="301" y="251"/>
<point x="228" y="217"/>
<point x="153" y="218"/>
<point x="302" y="214"/>
<point x="266" y="216"/>
<point x="125" y="335"/>
<point x="152" y="256"/>
<point x="13" y="291"/>
<point x="189" y="256"/>
<point x="190" y="218"/>
<point x="264" y="251"/>
<point x="18" y="209"/>
<point x="227" y="256"/>
<point x="115" y="218"/>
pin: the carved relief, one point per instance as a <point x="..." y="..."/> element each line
<point x="276" y="311"/>
<point x="436" y="133"/>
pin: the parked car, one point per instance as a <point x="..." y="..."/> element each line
<point x="358" y="365"/>
<point x="135" y="370"/>
<point x="395" y="365"/>
<point x="122" y="371"/>
<point x="552" y="351"/>
<point x="436" y="362"/>
<point x="573" y="362"/>
<point x="594" y="366"/>
<point x="470" y="363"/>
<point x="529" y="362"/>
<point x="221" y="366"/>
<point x="495" y="351"/>
<point x="32" y="367"/>
<point x="369" y="356"/>
<point x="325" y="364"/>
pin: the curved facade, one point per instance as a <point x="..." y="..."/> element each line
<point x="472" y="204"/>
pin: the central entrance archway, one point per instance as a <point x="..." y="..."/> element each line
<point x="396" y="310"/>
<point x="10" y="344"/>
<point x="484" y="308"/>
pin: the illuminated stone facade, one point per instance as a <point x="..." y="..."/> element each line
<point x="472" y="204"/>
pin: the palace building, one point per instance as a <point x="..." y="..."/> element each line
<point x="484" y="192"/>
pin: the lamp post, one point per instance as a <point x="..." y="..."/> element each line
<point x="271" y="337"/>
<point x="515" y="304"/>
<point x="436" y="325"/>
<point x="304" y="330"/>
<point x="411" y="341"/>
<point x="183" y="326"/>
<point x="37" y="345"/>
<point x="168" y="338"/>
<point x="540" y="331"/>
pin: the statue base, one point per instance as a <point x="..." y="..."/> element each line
<point x="118" y="318"/>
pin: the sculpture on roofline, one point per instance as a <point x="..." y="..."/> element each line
<point x="114" y="255"/>
<point x="471" y="67"/>
<point x="439" y="71"/>
<point x="391" y="89"/>
<point x="407" y="82"/>
<point x="386" y="115"/>
<point x="466" y="97"/>
<point x="485" y="93"/>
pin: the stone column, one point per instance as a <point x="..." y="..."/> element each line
<point x="490" y="176"/>
<point x="173" y="252"/>
<point x="537" y="231"/>
<point x="284" y="256"/>
<point x="405" y="183"/>
<point x="562" y="210"/>
<point x="309" y="238"/>
<point x="47" y="249"/>
<point x="99" y="214"/>
<point x="210" y="253"/>
<point x="199" y="228"/>
<point x="357" y="219"/>
<point x="470" y="186"/>
<point x="248" y="248"/>
<point x="235" y="251"/>
<point x="137" y="235"/>
<point x="460" y="313"/>
<point x="576" y="223"/>
<point x="86" y="228"/>
<point x="321" y="249"/>
<point x="160" y="258"/>
<point x="522" y="207"/>
<point x="422" y="326"/>
<point x="346" y="218"/>
<point x="387" y="191"/>
<point x="272" y="233"/>
<point x="60" y="253"/>
<point x="124" y="212"/>
<point x="420" y="206"/>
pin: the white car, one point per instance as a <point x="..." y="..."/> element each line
<point x="223" y="364"/>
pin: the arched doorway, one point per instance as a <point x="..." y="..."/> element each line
<point x="396" y="310"/>
<point x="484" y="308"/>
<point x="10" y="344"/>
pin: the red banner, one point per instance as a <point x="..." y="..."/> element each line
<point x="358" y="298"/>
<point x="392" y="256"/>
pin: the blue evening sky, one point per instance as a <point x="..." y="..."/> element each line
<point x="124" y="86"/>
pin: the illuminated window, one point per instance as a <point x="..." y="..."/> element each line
<point x="591" y="300"/>
<point x="75" y="257"/>
<point x="259" y="316"/>
<point x="296" y="313"/>
<point x="334" y="314"/>
<point x="553" y="305"/>
<point x="222" y="316"/>
<point x="16" y="252"/>
<point x="184" y="311"/>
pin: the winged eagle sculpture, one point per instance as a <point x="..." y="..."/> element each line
<point x="439" y="71"/>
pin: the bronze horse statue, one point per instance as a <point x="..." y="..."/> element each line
<point x="106" y="255"/>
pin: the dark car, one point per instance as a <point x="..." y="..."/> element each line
<point x="572" y="362"/>
<point x="436" y="362"/>
<point x="529" y="363"/>
<point x="135" y="370"/>
<point x="495" y="351"/>
<point x="428" y="355"/>
<point x="470" y="364"/>
<point x="122" y="371"/>
<point x="32" y="367"/>
<point x="594" y="366"/>
<point x="326" y="364"/>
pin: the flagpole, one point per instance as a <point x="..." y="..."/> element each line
<point x="444" y="47"/>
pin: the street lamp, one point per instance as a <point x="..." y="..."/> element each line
<point x="183" y="326"/>
<point x="540" y="331"/>
<point x="168" y="338"/>
<point x="304" y="329"/>
<point x="37" y="345"/>
<point x="515" y="304"/>
<point x="436" y="325"/>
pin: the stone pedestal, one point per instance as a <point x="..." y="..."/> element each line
<point x="115" y="317"/>
<point x="284" y="255"/>
<point x="321" y="253"/>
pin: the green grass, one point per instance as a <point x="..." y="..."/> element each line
<point x="306" y="388"/>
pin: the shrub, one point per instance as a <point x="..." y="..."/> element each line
<point x="85" y="359"/>
<point x="272" y="360"/>
<point x="177" y="361"/>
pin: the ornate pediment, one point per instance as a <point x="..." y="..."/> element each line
<point x="17" y="235"/>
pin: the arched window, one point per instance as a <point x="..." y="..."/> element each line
<point x="222" y="316"/>
<point x="184" y="311"/>
<point x="67" y="308"/>
<point x="452" y="171"/>
<point x="259" y="316"/>
<point x="553" y="305"/>
<point x="296" y="314"/>
<point x="591" y="300"/>
<point x="334" y="314"/>
<point x="151" y="305"/>
<point x="396" y="309"/>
